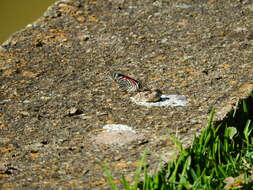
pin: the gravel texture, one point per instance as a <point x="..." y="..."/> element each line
<point x="56" y="94"/>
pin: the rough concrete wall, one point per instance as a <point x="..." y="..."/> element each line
<point x="56" y="94"/>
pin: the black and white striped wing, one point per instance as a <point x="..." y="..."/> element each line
<point x="126" y="83"/>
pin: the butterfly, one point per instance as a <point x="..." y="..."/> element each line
<point x="126" y="83"/>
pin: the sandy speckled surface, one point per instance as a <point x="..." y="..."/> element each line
<point x="199" y="49"/>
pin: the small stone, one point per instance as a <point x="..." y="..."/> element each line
<point x="117" y="158"/>
<point x="3" y="167"/>
<point x="157" y="4"/>
<point x="51" y="12"/>
<point x="5" y="101"/>
<point x="2" y="49"/>
<point x="28" y="74"/>
<point x="164" y="40"/>
<point x="157" y="14"/>
<point x="101" y="113"/>
<point x="85" y="171"/>
<point x="24" y="113"/>
<point x="194" y="121"/>
<point x="84" y="117"/>
<point x="109" y="121"/>
<point x="26" y="101"/>
<point x="240" y="29"/>
<point x="84" y="37"/>
<point x="6" y="43"/>
<point x="250" y="35"/>
<point x="29" y="26"/>
<point x="81" y="19"/>
<point x="93" y="18"/>
<point x="74" y="111"/>
<point x="183" y="6"/>
<point x="46" y="98"/>
<point x="108" y="100"/>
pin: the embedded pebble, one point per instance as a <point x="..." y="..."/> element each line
<point x="183" y="6"/>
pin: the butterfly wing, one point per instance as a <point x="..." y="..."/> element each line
<point x="126" y="83"/>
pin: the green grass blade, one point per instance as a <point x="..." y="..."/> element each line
<point x="109" y="177"/>
<point x="247" y="130"/>
<point x="176" y="142"/>
<point x="125" y="183"/>
<point x="231" y="132"/>
<point x="139" y="169"/>
<point x="245" y="107"/>
<point x="221" y="171"/>
<point x="193" y="174"/>
<point x="183" y="182"/>
<point x="173" y="177"/>
<point x="207" y="139"/>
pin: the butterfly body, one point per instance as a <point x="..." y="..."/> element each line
<point x="126" y="83"/>
<point x="148" y="95"/>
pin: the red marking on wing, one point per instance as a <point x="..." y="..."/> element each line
<point x="132" y="80"/>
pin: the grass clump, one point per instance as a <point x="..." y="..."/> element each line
<point x="220" y="158"/>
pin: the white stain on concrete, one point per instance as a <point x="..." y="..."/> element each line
<point x="117" y="134"/>
<point x="166" y="100"/>
<point x="118" y="127"/>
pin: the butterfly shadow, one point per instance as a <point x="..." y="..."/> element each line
<point x="164" y="99"/>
